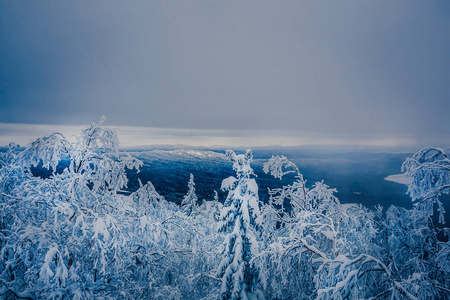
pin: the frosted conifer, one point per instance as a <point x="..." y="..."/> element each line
<point x="189" y="202"/>
<point x="238" y="220"/>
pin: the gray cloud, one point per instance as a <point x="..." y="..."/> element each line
<point x="358" y="69"/>
<point x="132" y="136"/>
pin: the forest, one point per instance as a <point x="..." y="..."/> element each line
<point x="80" y="234"/>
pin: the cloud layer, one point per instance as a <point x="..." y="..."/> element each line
<point x="355" y="69"/>
<point x="131" y="136"/>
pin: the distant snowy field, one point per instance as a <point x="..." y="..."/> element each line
<point x="399" y="178"/>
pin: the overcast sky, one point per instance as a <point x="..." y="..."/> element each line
<point x="305" y="71"/>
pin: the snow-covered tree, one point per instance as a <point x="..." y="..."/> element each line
<point x="63" y="233"/>
<point x="306" y="258"/>
<point x="429" y="172"/>
<point x="189" y="202"/>
<point x="239" y="221"/>
<point x="350" y="252"/>
<point x="77" y="234"/>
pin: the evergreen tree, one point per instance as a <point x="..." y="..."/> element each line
<point x="239" y="220"/>
<point x="189" y="202"/>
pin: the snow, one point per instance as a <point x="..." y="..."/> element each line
<point x="399" y="178"/>
<point x="228" y="183"/>
<point x="177" y="154"/>
<point x="75" y="235"/>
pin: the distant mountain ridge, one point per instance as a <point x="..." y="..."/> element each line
<point x="175" y="154"/>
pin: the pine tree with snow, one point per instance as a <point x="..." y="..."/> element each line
<point x="189" y="202"/>
<point x="239" y="220"/>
